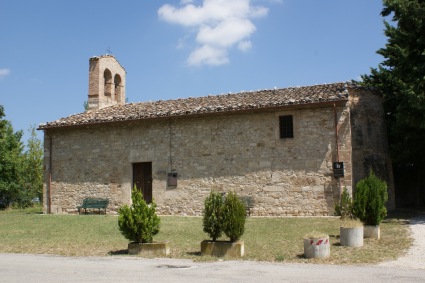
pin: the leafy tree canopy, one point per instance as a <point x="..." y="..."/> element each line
<point x="20" y="172"/>
<point x="401" y="79"/>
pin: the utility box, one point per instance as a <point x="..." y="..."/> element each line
<point x="172" y="179"/>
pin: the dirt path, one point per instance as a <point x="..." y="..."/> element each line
<point x="415" y="257"/>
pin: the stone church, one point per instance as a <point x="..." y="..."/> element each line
<point x="291" y="151"/>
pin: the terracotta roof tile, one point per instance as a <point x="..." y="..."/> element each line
<point x="271" y="98"/>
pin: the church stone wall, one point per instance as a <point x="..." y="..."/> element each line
<point x="240" y="152"/>
<point x="369" y="140"/>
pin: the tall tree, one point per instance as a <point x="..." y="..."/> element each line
<point x="20" y="172"/>
<point x="401" y="79"/>
<point x="32" y="167"/>
<point x="10" y="161"/>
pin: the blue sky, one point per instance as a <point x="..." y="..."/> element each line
<point x="178" y="48"/>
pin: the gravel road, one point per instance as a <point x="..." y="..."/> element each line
<point x="415" y="257"/>
<point x="58" y="269"/>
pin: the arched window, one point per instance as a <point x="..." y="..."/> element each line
<point x="117" y="83"/>
<point x="107" y="75"/>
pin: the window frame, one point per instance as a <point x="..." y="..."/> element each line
<point x="286" y="126"/>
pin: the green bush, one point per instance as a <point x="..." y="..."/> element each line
<point x="226" y="216"/>
<point x="138" y="222"/>
<point x="212" y="220"/>
<point x="234" y="215"/>
<point x="369" y="200"/>
<point x="344" y="208"/>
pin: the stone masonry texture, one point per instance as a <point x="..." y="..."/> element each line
<point x="232" y="152"/>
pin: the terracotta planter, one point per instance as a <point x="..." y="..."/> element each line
<point x="317" y="247"/>
<point x="223" y="248"/>
<point x="149" y="249"/>
<point x="373" y="232"/>
<point x="351" y="236"/>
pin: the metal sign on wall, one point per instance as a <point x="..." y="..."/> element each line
<point x="172" y="179"/>
<point x="338" y="168"/>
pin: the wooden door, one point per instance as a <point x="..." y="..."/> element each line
<point x="142" y="179"/>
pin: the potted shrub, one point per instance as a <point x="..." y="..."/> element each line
<point x="226" y="216"/>
<point x="139" y="223"/>
<point x="234" y="216"/>
<point x="351" y="233"/>
<point x="316" y="245"/>
<point x="351" y="229"/>
<point x="369" y="204"/>
<point x="212" y="220"/>
<point x="344" y="208"/>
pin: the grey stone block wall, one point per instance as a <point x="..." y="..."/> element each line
<point x="234" y="152"/>
<point x="370" y="142"/>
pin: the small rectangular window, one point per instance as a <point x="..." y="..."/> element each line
<point x="286" y="127"/>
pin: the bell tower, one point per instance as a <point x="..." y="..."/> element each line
<point x="106" y="82"/>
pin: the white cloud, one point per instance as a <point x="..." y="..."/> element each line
<point x="219" y="24"/>
<point x="276" y="1"/>
<point x="4" y="72"/>
<point x="244" y="45"/>
<point x="208" y="55"/>
<point x="182" y="42"/>
<point x="226" y="33"/>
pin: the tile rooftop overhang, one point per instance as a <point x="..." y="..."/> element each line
<point x="261" y="100"/>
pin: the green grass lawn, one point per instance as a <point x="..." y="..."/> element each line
<point x="266" y="239"/>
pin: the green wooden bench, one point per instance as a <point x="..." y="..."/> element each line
<point x="249" y="204"/>
<point x="93" y="203"/>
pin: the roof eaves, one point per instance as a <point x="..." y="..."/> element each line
<point x="179" y="114"/>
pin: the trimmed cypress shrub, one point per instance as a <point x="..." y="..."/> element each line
<point x="344" y="208"/>
<point x="212" y="220"/>
<point x="234" y="215"/>
<point x="369" y="200"/>
<point x="138" y="222"/>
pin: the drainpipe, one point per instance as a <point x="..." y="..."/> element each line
<point x="336" y="134"/>
<point x="170" y="158"/>
<point x="49" y="194"/>
<point x="337" y="146"/>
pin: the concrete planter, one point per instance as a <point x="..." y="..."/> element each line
<point x="373" y="232"/>
<point x="223" y="248"/>
<point x="149" y="249"/>
<point x="351" y="236"/>
<point x="317" y="247"/>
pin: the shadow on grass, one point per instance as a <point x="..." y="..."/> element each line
<point x="197" y="253"/>
<point x="401" y="215"/>
<point x="118" y="252"/>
